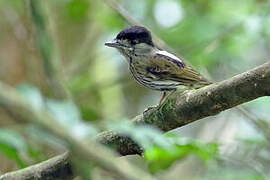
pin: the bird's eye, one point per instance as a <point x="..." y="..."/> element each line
<point x="133" y="42"/>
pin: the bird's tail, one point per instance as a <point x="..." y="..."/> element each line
<point x="203" y="82"/>
<point x="196" y="79"/>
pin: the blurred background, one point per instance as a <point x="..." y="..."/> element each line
<point x="218" y="38"/>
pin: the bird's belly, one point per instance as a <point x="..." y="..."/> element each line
<point x="141" y="75"/>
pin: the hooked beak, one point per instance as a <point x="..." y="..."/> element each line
<point x="114" y="44"/>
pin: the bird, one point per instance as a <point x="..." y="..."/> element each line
<point x="153" y="67"/>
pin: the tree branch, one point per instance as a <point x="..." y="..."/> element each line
<point x="83" y="152"/>
<point x="48" y="51"/>
<point x="183" y="108"/>
<point x="54" y="168"/>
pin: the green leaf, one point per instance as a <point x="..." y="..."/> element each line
<point x="12" y="153"/>
<point x="78" y="9"/>
<point x="12" y="144"/>
<point x="160" y="158"/>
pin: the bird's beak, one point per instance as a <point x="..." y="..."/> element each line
<point x="114" y="44"/>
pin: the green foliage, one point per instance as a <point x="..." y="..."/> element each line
<point x="12" y="144"/>
<point x="78" y="9"/>
<point x="162" y="158"/>
<point x="64" y="112"/>
<point x="220" y="38"/>
<point x="89" y="111"/>
<point x="18" y="5"/>
<point x="161" y="151"/>
<point x="111" y="19"/>
<point x="146" y="136"/>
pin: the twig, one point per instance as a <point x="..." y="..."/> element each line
<point x="49" y="56"/>
<point x="89" y="151"/>
<point x="124" y="13"/>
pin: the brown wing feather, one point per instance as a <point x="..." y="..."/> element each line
<point x="192" y="75"/>
<point x="167" y="68"/>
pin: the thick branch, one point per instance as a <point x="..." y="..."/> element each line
<point x="54" y="168"/>
<point x="183" y="108"/>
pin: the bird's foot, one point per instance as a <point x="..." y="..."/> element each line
<point x="149" y="110"/>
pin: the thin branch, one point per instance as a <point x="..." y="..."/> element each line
<point x="124" y="13"/>
<point x="49" y="56"/>
<point x="89" y="151"/>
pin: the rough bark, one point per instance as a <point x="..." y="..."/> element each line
<point x="183" y="108"/>
<point x="178" y="110"/>
<point x="55" y="168"/>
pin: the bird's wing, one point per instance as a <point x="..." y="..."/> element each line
<point x="166" y="66"/>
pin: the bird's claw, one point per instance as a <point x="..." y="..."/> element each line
<point x="148" y="110"/>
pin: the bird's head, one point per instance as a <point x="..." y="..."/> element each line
<point x="135" y="40"/>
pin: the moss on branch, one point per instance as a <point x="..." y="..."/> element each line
<point x="178" y="110"/>
<point x="183" y="108"/>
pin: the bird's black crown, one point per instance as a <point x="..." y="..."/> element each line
<point x="136" y="34"/>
